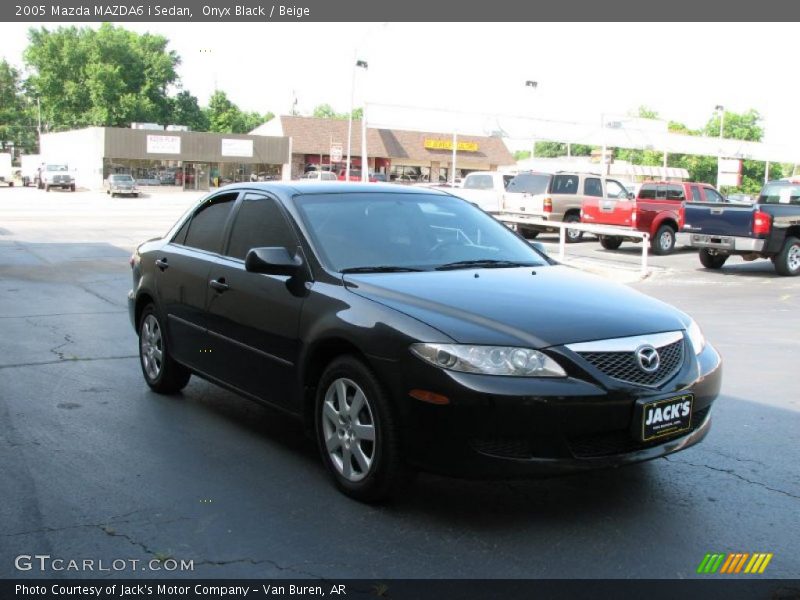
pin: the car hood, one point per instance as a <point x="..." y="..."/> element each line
<point x="536" y="307"/>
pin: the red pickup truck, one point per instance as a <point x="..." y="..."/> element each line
<point x="657" y="210"/>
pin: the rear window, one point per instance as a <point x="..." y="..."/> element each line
<point x="478" y="182"/>
<point x="564" y="184"/>
<point x="780" y="193"/>
<point x="529" y="183"/>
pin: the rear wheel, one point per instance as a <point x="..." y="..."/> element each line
<point x="46" y="188"/>
<point x="712" y="260"/>
<point x="357" y="433"/>
<point x="72" y="188"/>
<point x="663" y="242"/>
<point x="573" y="235"/>
<point x="610" y="242"/>
<point x="787" y="262"/>
<point x="160" y="371"/>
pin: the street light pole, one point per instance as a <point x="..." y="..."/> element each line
<point x="721" y="110"/>
<point x="533" y="85"/>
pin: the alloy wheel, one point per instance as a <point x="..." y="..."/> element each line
<point x="349" y="429"/>
<point x="152" y="346"/>
<point x="793" y="258"/>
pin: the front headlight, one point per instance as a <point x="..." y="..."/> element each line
<point x="489" y="360"/>
<point x="696" y="337"/>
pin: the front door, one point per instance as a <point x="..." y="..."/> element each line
<point x="196" y="177"/>
<point x="253" y="318"/>
<point x="182" y="268"/>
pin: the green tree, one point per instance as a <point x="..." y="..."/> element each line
<point x="325" y="111"/>
<point x="17" y="125"/>
<point x="108" y="77"/>
<point x="185" y="110"/>
<point x="225" y="117"/>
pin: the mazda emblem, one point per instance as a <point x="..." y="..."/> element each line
<point x="648" y="359"/>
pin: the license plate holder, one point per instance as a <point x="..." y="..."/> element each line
<point x="655" y="419"/>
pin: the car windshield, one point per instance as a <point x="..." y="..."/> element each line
<point x="780" y="193"/>
<point x="121" y="178"/>
<point x="529" y="183"/>
<point x="398" y="231"/>
<point x="57" y="167"/>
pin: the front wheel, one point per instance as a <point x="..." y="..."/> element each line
<point x="357" y="433"/>
<point x="787" y="262"/>
<point x="573" y="235"/>
<point x="47" y="188"/>
<point x="712" y="260"/>
<point x="663" y="242"/>
<point x="610" y="242"/>
<point x="160" y="371"/>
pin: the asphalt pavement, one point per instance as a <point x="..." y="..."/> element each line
<point x="94" y="465"/>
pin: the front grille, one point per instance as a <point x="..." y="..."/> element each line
<point x="621" y="441"/>
<point x="623" y="366"/>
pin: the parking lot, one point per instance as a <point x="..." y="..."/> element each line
<point x="95" y="465"/>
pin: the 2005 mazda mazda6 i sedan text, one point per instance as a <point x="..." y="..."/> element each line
<point x="411" y="330"/>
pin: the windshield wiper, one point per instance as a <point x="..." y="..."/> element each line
<point x="487" y="263"/>
<point x="379" y="269"/>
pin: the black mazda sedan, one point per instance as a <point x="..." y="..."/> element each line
<point x="411" y="330"/>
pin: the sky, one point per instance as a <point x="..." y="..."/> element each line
<point x="583" y="70"/>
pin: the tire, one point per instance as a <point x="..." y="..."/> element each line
<point x="787" y="262"/>
<point x="573" y="236"/>
<point x="610" y="242"/>
<point x="72" y="188"/>
<point x="663" y="242"/>
<point x="712" y="261"/>
<point x="381" y="472"/>
<point x="160" y="371"/>
<point x="47" y="188"/>
<point x="528" y="233"/>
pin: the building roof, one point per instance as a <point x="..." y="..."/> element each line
<point x="312" y="135"/>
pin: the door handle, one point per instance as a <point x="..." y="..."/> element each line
<point x="161" y="263"/>
<point x="219" y="284"/>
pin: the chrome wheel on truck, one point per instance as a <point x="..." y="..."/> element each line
<point x="787" y="262"/>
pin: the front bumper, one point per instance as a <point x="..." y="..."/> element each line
<point x="513" y="427"/>
<point x="726" y="243"/>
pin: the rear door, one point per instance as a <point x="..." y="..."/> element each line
<point x="253" y="318"/>
<point x="182" y="268"/>
<point x="526" y="193"/>
<point x="651" y="197"/>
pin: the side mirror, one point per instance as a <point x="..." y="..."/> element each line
<point x="272" y="261"/>
<point x="631" y="196"/>
<point x="538" y="246"/>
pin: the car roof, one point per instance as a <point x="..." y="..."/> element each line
<point x="333" y="187"/>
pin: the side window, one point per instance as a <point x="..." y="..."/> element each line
<point x="205" y="230"/>
<point x="180" y="237"/>
<point x="479" y="182"/>
<point x="675" y="192"/>
<point x="592" y="187"/>
<point x="661" y="192"/>
<point x="647" y="192"/>
<point x="712" y="195"/>
<point x="614" y="189"/>
<point x="259" y="223"/>
<point x="696" y="195"/>
<point x="564" y="184"/>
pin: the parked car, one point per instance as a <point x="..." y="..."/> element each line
<point x="547" y="197"/>
<point x="770" y="228"/>
<point x="30" y="165"/>
<point x="484" y="189"/>
<point x="56" y="175"/>
<point x="657" y="210"/>
<point x="121" y="184"/>
<point x="410" y="330"/>
<point x="319" y="176"/>
<point x="6" y="173"/>
<point x="355" y="175"/>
